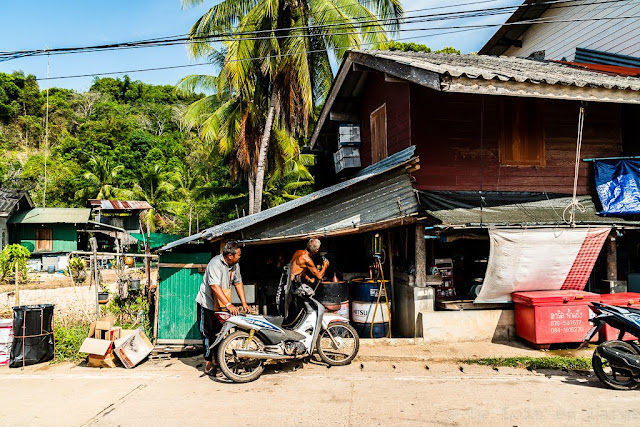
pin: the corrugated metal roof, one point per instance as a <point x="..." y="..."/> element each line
<point x="606" y="58"/>
<point x="505" y="68"/>
<point x="10" y="198"/>
<point x="52" y="216"/>
<point x="541" y="212"/>
<point x="342" y="211"/>
<point x="120" y="205"/>
<point x="608" y="69"/>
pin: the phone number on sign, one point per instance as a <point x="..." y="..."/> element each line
<point x="566" y="323"/>
<point x="570" y="329"/>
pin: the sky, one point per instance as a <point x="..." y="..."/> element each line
<point x="41" y="24"/>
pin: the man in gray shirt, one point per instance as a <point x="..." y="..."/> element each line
<point x="222" y="271"/>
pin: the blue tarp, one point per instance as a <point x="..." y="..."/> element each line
<point x="618" y="186"/>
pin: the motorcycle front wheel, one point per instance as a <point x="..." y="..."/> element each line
<point x="615" y="378"/>
<point x="236" y="369"/>
<point x="338" y="345"/>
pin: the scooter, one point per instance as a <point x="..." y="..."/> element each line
<point x="616" y="362"/>
<point x="259" y="340"/>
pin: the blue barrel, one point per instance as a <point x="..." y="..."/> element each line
<point x="369" y="321"/>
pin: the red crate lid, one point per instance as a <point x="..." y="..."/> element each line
<point x="621" y="299"/>
<point x="554" y="297"/>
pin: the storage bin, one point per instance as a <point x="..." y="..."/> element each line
<point x="551" y="317"/>
<point x="625" y="299"/>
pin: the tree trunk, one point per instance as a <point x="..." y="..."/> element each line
<point x="252" y="193"/>
<point x="262" y="157"/>
<point x="190" y="216"/>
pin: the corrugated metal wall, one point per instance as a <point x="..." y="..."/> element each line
<point x="177" y="289"/>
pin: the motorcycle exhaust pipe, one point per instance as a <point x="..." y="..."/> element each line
<point x="247" y="354"/>
<point x="621" y="359"/>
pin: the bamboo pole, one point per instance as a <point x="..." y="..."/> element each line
<point x="17" y="285"/>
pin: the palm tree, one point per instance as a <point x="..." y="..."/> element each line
<point x="187" y="182"/>
<point x="101" y="180"/>
<point x="155" y="187"/>
<point x="288" y="71"/>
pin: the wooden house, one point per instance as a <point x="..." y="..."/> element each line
<point x="11" y="201"/>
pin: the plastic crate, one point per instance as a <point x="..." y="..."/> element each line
<point x="346" y="158"/>
<point x="349" y="134"/>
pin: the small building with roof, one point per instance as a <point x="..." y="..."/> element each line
<point x="11" y="201"/>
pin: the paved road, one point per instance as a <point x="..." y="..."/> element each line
<point x="175" y="392"/>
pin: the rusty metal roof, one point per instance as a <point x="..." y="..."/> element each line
<point x="378" y="193"/>
<point x="119" y="205"/>
<point x="10" y="200"/>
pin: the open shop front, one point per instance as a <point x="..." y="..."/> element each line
<point x="379" y="200"/>
<point x="484" y="246"/>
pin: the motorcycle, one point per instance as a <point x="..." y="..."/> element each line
<point x="616" y="363"/>
<point x="259" y="340"/>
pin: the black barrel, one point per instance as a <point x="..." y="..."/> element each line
<point x="334" y="296"/>
<point x="33" y="340"/>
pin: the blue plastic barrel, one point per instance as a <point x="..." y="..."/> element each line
<point x="369" y="321"/>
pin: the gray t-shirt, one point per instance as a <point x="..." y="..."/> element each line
<point x="217" y="273"/>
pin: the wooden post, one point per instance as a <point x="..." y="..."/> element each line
<point x="148" y="252"/>
<point x="96" y="280"/>
<point x="612" y="257"/>
<point x="391" y="281"/>
<point x="421" y="256"/>
<point x="17" y="286"/>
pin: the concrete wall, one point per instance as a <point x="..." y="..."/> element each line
<point x="410" y="301"/>
<point x="467" y="325"/>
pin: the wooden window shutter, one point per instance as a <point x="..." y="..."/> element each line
<point x="44" y="239"/>
<point x="522" y="132"/>
<point x="378" y="121"/>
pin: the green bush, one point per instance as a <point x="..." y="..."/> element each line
<point x="69" y="338"/>
<point x="131" y="312"/>
<point x="11" y="256"/>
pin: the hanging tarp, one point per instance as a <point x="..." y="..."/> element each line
<point x="156" y="239"/>
<point x="618" y="186"/>
<point x="539" y="260"/>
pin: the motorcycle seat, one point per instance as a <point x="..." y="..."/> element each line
<point x="276" y="320"/>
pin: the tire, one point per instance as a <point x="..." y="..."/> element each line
<point x="240" y="370"/>
<point x="615" y="378"/>
<point x="347" y="340"/>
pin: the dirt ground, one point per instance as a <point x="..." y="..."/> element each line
<point x="365" y="393"/>
<point x="71" y="302"/>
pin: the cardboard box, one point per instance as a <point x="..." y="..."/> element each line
<point x="113" y="333"/>
<point x="100" y="353"/>
<point x="100" y="328"/>
<point x="133" y="348"/>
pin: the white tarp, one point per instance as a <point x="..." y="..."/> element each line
<point x="538" y="260"/>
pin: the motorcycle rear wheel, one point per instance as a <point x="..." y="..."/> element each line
<point x="615" y="378"/>
<point x="340" y="350"/>
<point x="236" y="369"/>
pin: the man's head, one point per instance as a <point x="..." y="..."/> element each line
<point x="231" y="252"/>
<point x="313" y="246"/>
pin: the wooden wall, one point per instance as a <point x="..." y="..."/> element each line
<point x="396" y="96"/>
<point x="560" y="39"/>
<point x="447" y="129"/>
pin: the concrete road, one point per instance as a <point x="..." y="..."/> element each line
<point x="175" y="392"/>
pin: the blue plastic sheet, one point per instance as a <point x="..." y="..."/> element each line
<point x="618" y="186"/>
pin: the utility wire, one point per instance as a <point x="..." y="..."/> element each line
<point x="270" y="33"/>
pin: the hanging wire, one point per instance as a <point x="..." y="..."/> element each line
<point x="571" y="209"/>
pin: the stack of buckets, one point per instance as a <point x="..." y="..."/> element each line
<point x="6" y="338"/>
<point x="369" y="321"/>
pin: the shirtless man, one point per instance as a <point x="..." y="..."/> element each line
<point x="302" y="266"/>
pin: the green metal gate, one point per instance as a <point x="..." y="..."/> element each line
<point x="180" y="276"/>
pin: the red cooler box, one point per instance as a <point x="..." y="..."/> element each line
<point x="550" y="317"/>
<point x="625" y="299"/>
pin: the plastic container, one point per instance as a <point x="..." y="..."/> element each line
<point x="625" y="299"/>
<point x="552" y="317"/>
<point x="134" y="284"/>
<point x="335" y="297"/>
<point x="33" y="340"/>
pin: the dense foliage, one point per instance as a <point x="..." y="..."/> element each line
<point x="122" y="139"/>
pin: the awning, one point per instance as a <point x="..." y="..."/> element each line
<point x="379" y="196"/>
<point x="491" y="208"/>
<point x="156" y="239"/>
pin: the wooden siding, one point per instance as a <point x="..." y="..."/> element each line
<point x="559" y="40"/>
<point x="178" y="287"/>
<point x="65" y="237"/>
<point x="447" y="129"/>
<point x="396" y="96"/>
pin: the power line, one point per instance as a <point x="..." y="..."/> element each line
<point x="234" y="36"/>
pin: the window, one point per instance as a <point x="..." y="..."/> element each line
<point x="379" y="134"/>
<point x="522" y="132"/>
<point x="44" y="240"/>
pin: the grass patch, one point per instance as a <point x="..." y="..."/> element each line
<point x="69" y="338"/>
<point x="557" y="363"/>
